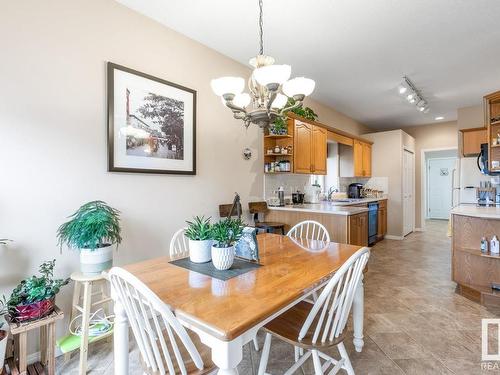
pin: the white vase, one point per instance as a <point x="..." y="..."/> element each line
<point x="93" y="262"/>
<point x="199" y="251"/>
<point x="223" y="257"/>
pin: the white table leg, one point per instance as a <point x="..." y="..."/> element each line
<point x="358" y="316"/>
<point x="120" y="338"/>
<point x="227" y="355"/>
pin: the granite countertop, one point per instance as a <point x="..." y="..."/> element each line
<point x="323" y="208"/>
<point x="492" y="212"/>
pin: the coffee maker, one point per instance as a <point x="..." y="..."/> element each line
<point x="354" y="190"/>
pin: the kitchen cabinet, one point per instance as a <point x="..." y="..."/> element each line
<point x="356" y="161"/>
<point x="472" y="139"/>
<point x="358" y="229"/>
<point x="310" y="151"/>
<point x="382" y="219"/>
<point x="492" y="122"/>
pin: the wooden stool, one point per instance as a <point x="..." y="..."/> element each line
<point x="257" y="208"/>
<point x="88" y="282"/>
<point x="47" y="325"/>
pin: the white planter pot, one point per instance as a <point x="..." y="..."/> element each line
<point x="199" y="251"/>
<point x="223" y="257"/>
<point x="93" y="262"/>
<point x="3" y="342"/>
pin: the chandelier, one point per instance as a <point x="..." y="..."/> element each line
<point x="408" y="89"/>
<point x="270" y="89"/>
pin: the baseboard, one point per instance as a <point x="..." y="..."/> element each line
<point x="37" y="356"/>
<point x="391" y="237"/>
<point x="419" y="230"/>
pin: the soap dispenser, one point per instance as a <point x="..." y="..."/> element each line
<point x="494" y="245"/>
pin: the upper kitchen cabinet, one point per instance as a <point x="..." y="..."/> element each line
<point x="492" y="122"/>
<point x="472" y="139"/>
<point x="310" y="151"/>
<point x="355" y="161"/>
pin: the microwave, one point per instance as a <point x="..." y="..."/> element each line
<point x="482" y="162"/>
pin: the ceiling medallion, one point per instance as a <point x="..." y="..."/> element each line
<point x="270" y="89"/>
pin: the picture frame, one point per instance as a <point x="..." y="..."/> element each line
<point x="151" y="124"/>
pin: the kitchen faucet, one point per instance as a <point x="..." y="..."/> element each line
<point x="332" y="190"/>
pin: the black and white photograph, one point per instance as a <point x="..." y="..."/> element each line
<point x="151" y="124"/>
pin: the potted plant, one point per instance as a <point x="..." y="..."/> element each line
<point x="225" y="234"/>
<point x="93" y="229"/>
<point x="35" y="297"/>
<point x="278" y="127"/>
<point x="200" y="239"/>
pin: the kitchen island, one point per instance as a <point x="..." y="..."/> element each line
<point x="346" y="221"/>
<point x="472" y="270"/>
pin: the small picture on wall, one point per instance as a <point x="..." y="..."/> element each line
<point x="151" y="124"/>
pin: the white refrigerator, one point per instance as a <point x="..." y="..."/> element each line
<point x="469" y="179"/>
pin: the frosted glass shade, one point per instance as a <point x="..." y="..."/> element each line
<point x="272" y="74"/>
<point x="227" y="85"/>
<point x="242" y="100"/>
<point x="299" y="86"/>
<point x="280" y="101"/>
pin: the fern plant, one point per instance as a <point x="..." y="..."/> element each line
<point x="227" y="232"/>
<point x="199" y="229"/>
<point x="92" y="226"/>
<point x="280" y="125"/>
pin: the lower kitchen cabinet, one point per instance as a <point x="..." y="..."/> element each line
<point x="382" y="219"/>
<point x="358" y="229"/>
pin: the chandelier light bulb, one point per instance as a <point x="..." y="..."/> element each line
<point x="270" y="74"/>
<point x="299" y="86"/>
<point x="280" y="101"/>
<point x="227" y="85"/>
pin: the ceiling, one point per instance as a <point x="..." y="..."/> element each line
<point x="358" y="50"/>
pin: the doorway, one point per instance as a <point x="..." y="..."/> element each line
<point x="408" y="192"/>
<point x="440" y="179"/>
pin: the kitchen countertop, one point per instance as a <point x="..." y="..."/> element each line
<point x="323" y="208"/>
<point x="357" y="201"/>
<point x="492" y="212"/>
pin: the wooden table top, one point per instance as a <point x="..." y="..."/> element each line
<point x="226" y="309"/>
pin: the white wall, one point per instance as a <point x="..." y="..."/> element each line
<point x="53" y="133"/>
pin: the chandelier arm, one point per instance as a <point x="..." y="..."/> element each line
<point x="271" y="99"/>
<point x="235" y="108"/>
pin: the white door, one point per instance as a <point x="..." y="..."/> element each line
<point x="408" y="192"/>
<point x="440" y="172"/>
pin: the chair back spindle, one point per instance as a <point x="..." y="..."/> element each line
<point x="309" y="229"/>
<point x="157" y="331"/>
<point x="179" y="245"/>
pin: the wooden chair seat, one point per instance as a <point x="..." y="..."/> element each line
<point x="288" y="325"/>
<point x="268" y="224"/>
<point x="191" y="368"/>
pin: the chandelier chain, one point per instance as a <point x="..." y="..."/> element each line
<point x="261" y="28"/>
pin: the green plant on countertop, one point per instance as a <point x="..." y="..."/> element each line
<point x="94" y="225"/>
<point x="37" y="288"/>
<point x="200" y="229"/>
<point x="227" y="232"/>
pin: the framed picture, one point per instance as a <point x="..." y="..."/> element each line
<point x="151" y="124"/>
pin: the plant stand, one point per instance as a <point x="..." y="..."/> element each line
<point x="83" y="304"/>
<point x="17" y="363"/>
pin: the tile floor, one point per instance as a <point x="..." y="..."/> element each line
<point x="414" y="322"/>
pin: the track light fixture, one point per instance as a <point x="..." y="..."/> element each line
<point x="413" y="95"/>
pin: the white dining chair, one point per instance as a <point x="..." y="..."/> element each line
<point x="309" y="229"/>
<point x="179" y="245"/>
<point x="164" y="344"/>
<point x="320" y="326"/>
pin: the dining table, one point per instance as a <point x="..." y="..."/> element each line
<point x="226" y="315"/>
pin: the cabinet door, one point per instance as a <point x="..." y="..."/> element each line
<point x="382" y="222"/>
<point x="357" y="155"/>
<point x="358" y="229"/>
<point x="302" y="149"/>
<point x="367" y="159"/>
<point x="471" y="141"/>
<point x="319" y="137"/>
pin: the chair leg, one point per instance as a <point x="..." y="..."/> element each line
<point x="317" y="363"/>
<point x="296" y="349"/>
<point x="345" y="357"/>
<point x="256" y="344"/>
<point x="265" y="355"/>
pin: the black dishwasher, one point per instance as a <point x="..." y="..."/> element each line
<point x="372" y="223"/>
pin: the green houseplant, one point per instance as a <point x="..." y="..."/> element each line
<point x="199" y="233"/>
<point x="34" y="297"/>
<point x="93" y="229"/>
<point x="225" y="234"/>
<point x="279" y="126"/>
